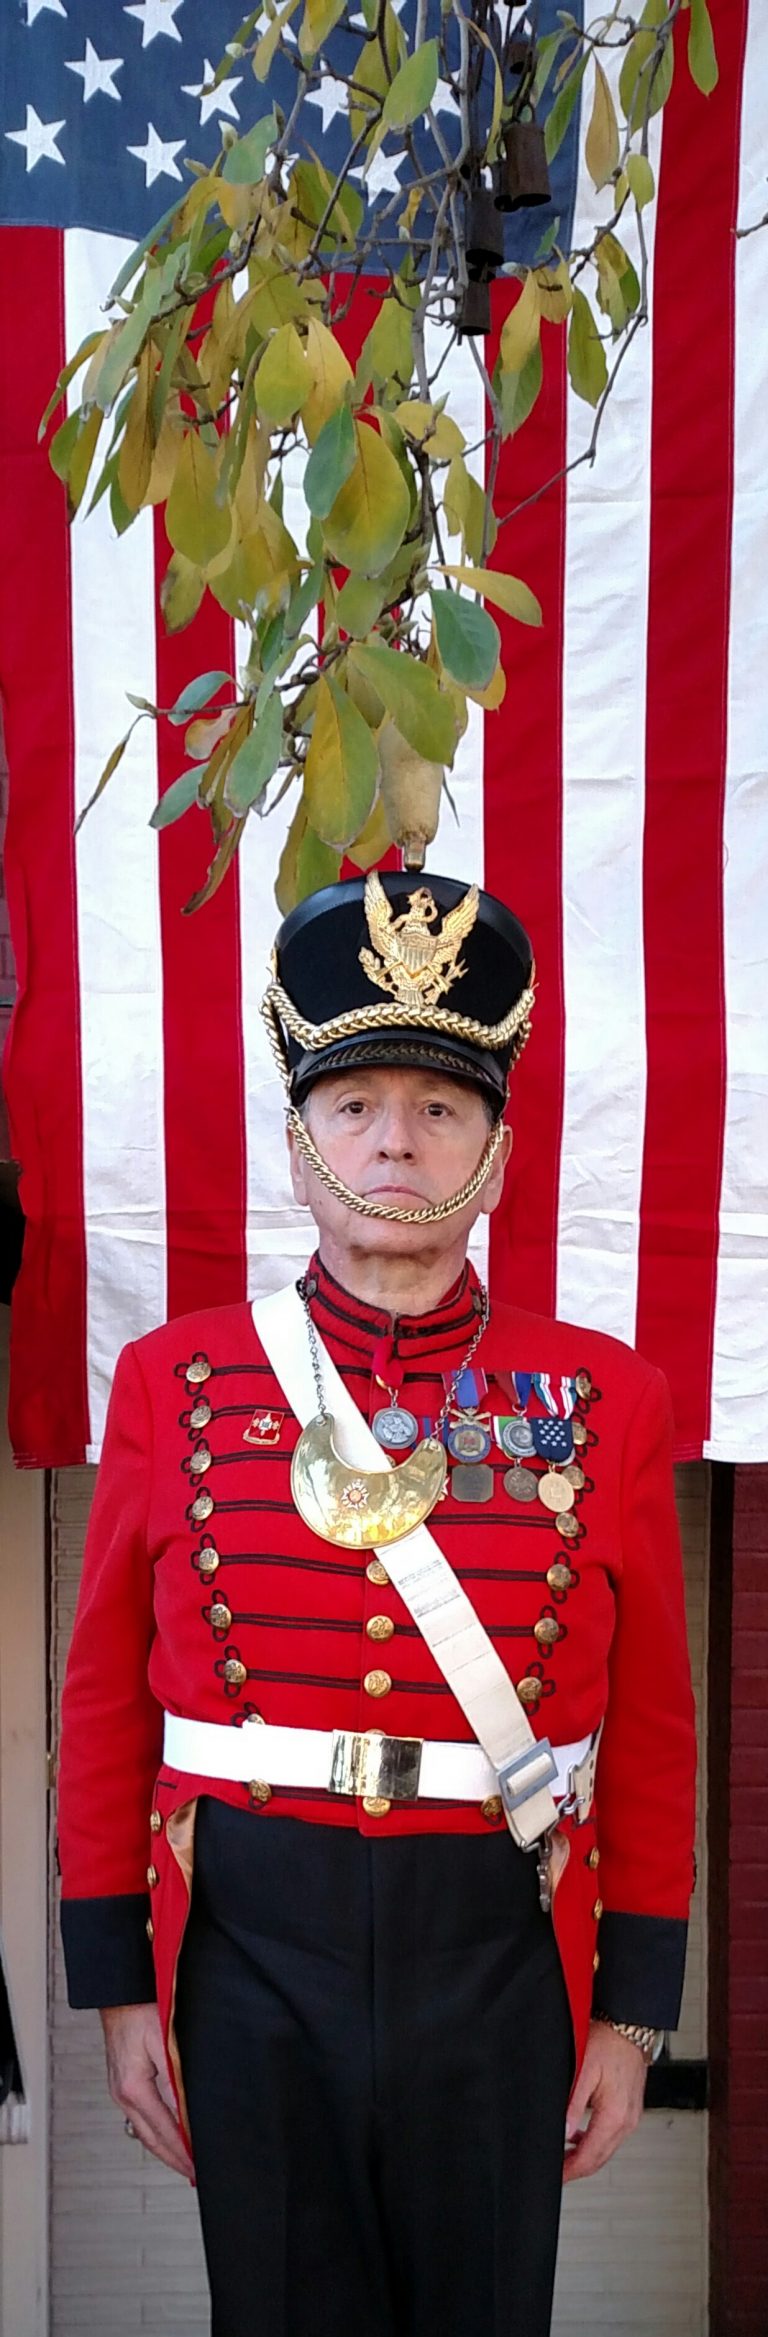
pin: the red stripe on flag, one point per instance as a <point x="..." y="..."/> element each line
<point x="49" y="1404"/>
<point x="691" y="488"/>
<point x="523" y="826"/>
<point x="204" y="1078"/>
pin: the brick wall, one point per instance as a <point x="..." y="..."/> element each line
<point x="738" y="1784"/>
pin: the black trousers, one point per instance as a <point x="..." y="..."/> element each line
<point x="377" y="2054"/>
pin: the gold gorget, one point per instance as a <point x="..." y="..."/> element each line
<point x="361" y="1508"/>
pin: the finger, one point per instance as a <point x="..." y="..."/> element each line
<point x="166" y="2092"/>
<point x="170" y="2157"/>
<point x="156" y="2127"/>
<point x="598" y="2144"/>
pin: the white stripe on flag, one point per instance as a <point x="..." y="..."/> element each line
<point x="604" y="671"/>
<point x="121" y="1028"/>
<point x="739" y="1409"/>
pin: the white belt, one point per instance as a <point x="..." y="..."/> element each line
<point x="368" y="1763"/>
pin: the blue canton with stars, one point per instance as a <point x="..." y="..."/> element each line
<point x="102" y="100"/>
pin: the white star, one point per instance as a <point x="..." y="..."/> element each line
<point x="34" y="9"/>
<point x="214" y="101"/>
<point x="332" y="97"/>
<point x="97" y="73"/>
<point x="158" y="156"/>
<point x="381" y="177"/>
<point x="444" y="101"/>
<point x="156" y="16"/>
<point x="38" y="139"/>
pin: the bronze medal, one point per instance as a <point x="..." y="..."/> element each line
<point x="568" y="1526"/>
<point x="554" y="1491"/>
<point x="575" y="1475"/>
<point x="521" y="1484"/>
<point x="472" y="1481"/>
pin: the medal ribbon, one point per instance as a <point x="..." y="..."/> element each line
<point x="471" y="1389"/>
<point x="561" y="1405"/>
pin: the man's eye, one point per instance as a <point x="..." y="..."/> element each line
<point x="355" y="1105"/>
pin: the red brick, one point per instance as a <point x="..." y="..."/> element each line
<point x="745" y="2030"/>
<point x="750" y="1488"/>
<point x="749" y="1842"/>
<point x="750" y="1530"/>
<point x="748" y="1572"/>
<point x="751" y="1777"/>
<point x="748" y="1962"/>
<point x="749" y="1726"/>
<point x="749" y="1686"/>
<point x="750" y="1606"/>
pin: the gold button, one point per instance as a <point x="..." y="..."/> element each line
<point x="208" y="1561"/>
<point x="595" y="1963"/>
<point x="594" y="1858"/>
<point x="575" y="1475"/>
<point x="529" y="1690"/>
<point x="377" y="1683"/>
<point x="567" y="1525"/>
<point x="153" y="1877"/>
<point x="200" y="1414"/>
<point x="155" y="1822"/>
<point x="380" y="1627"/>
<point x="377" y="1573"/>
<point x="597" y="1910"/>
<point x="149" y="1927"/>
<point x="259" y="1790"/>
<point x="492" y="1808"/>
<point x="198" y="1371"/>
<point x="200" y="1460"/>
<point x="583" y="1383"/>
<point x="234" y="1672"/>
<point x="579" y="1428"/>
<point x="202" y="1507"/>
<point x="376" y="1805"/>
<point x="559" y="1577"/>
<point x="221" y="1616"/>
<point x="547" y="1631"/>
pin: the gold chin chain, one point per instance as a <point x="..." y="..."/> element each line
<point x="432" y="1213"/>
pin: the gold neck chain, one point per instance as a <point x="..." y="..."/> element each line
<point x="432" y="1213"/>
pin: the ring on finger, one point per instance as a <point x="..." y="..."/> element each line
<point x="130" y="2129"/>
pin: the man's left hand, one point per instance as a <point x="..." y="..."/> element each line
<point x="609" y="2089"/>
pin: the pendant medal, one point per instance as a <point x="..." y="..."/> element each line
<point x="515" y="1436"/>
<point x="394" y="1426"/>
<point x="555" y="1492"/>
<point x="360" y="1508"/>
<point x="468" y="1440"/>
<point x="472" y="1481"/>
<point x="521" y="1484"/>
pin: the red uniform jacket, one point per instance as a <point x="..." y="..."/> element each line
<point x="203" y="1591"/>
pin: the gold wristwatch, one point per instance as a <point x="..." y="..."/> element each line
<point x="648" y="2041"/>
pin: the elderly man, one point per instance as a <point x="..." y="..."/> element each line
<point x="412" y="1843"/>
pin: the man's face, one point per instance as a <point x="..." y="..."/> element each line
<point x="404" y="1137"/>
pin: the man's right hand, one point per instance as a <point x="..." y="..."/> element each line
<point x="139" y="2081"/>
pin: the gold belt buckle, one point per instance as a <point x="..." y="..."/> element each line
<point x="374" y="1765"/>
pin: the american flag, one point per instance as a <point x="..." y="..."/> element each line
<point x="618" y="801"/>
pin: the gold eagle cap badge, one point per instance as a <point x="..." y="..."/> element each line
<point x="414" y="964"/>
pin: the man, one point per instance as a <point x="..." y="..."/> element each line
<point x="374" y="2003"/>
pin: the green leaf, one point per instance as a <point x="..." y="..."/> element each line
<point x="386" y="357"/>
<point x="303" y="600"/>
<point x="153" y="236"/>
<point x="640" y="179"/>
<point x="420" y="710"/>
<point x="244" y="162"/>
<point x="81" y="458"/>
<point x="646" y="74"/>
<point x="317" y="865"/>
<point x="601" y="145"/>
<point x="283" y="378"/>
<point x="257" y="759"/>
<point x="62" y="443"/>
<point x="702" y="59"/>
<point x="518" y="392"/>
<point x="341" y="768"/>
<point x="507" y="592"/>
<point x="181" y="592"/>
<point x="318" y="21"/>
<point x="412" y="90"/>
<point x="467" y="639"/>
<point x="196" y="694"/>
<point x="330" y="463"/>
<point x="67" y="375"/>
<point x="196" y="524"/>
<point x="264" y="51"/>
<point x="561" y="110"/>
<point x="358" y="606"/>
<point x="367" y="522"/>
<point x="176" y="800"/>
<point x="587" y="364"/>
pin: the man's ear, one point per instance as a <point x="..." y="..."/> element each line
<point x="296" y="1170"/>
<point x="494" y="1183"/>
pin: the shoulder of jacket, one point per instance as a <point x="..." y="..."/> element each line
<point x="224" y="1329"/>
<point x="519" y="1340"/>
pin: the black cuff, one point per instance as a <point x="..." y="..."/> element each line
<point x="107" y="1954"/>
<point x="641" y="1970"/>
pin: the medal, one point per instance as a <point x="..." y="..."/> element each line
<point x="521" y="1484"/>
<point x="552" y="1439"/>
<point x="264" y="1429"/>
<point x="468" y="1440"/>
<point x="555" y="1491"/>
<point x="472" y="1481"/>
<point x="514" y="1435"/>
<point x="394" y="1425"/>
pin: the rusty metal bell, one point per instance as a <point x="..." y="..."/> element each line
<point x="484" y="234"/>
<point x="475" y="311"/>
<point x="523" y="178"/>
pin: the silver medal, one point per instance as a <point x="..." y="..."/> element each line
<point x="472" y="1481"/>
<point x="393" y="1425"/>
<point x="521" y="1484"/>
<point x="515" y="1438"/>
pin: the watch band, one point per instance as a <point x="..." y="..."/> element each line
<point x="648" y="2041"/>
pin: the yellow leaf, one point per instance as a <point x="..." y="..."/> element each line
<point x="640" y="179"/>
<point x="506" y="592"/>
<point x="601" y="145"/>
<point x="341" y="768"/>
<point x="439" y="435"/>
<point x="181" y="592"/>
<point x="411" y="788"/>
<point x="196" y="524"/>
<point x="367" y="522"/>
<point x="374" y="840"/>
<point x="330" y="371"/>
<point x="134" y="467"/>
<point x="283" y="378"/>
<point x="521" y="330"/>
<point x="265" y="47"/>
<point x="166" y="455"/>
<point x="555" y="293"/>
<point x="238" y="204"/>
<point x="317" y="22"/>
<point x="495" y="693"/>
<point x="204" y="734"/>
<point x="261" y="567"/>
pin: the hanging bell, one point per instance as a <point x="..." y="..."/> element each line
<point x="475" y="311"/>
<point x="523" y="178"/>
<point x="483" y="234"/>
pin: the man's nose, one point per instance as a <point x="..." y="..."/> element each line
<point x="395" y="1134"/>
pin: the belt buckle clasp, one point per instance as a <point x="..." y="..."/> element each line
<point x="374" y="1765"/>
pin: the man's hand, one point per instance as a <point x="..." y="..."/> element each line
<point x="611" y="2087"/>
<point x="139" y="2083"/>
